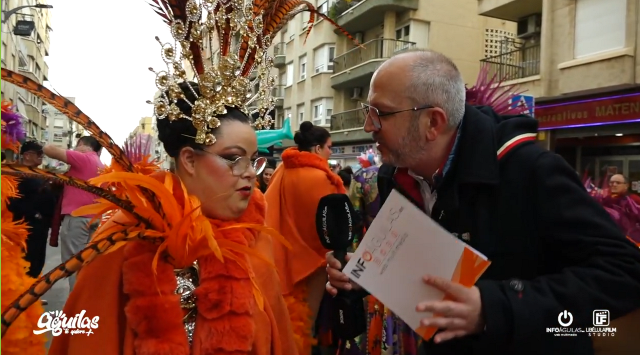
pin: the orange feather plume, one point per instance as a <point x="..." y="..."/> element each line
<point x="20" y="340"/>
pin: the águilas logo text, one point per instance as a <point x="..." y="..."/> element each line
<point x="57" y="322"/>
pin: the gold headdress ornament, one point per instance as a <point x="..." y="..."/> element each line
<point x="244" y="30"/>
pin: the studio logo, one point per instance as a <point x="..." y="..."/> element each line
<point x="601" y="318"/>
<point x="57" y="322"/>
<point x="565" y="318"/>
<point x="601" y="326"/>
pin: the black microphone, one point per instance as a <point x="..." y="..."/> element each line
<point x="335" y="222"/>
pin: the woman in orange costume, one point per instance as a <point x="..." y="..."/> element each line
<point x="186" y="263"/>
<point x="292" y="199"/>
<point x="200" y="279"/>
<point x="237" y="307"/>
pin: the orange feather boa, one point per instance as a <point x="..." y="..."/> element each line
<point x="20" y="338"/>
<point x="227" y="295"/>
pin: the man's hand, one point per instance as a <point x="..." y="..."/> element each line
<point x="338" y="279"/>
<point x="459" y="315"/>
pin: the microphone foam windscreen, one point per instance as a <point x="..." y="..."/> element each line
<point x="335" y="221"/>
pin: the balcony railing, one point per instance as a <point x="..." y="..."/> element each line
<point x="380" y="48"/>
<point x="340" y="6"/>
<point x="520" y="63"/>
<point x="278" y="91"/>
<point x="352" y="119"/>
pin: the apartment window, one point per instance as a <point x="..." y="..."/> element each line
<point x="300" y="110"/>
<point x="4" y="51"/>
<point x="282" y="78"/>
<point x="600" y="26"/>
<point x="323" y="58"/>
<point x="38" y="71"/>
<point x="303" y="67"/>
<point x="58" y="123"/>
<point x="304" y="20"/>
<point x="289" y="74"/>
<point x="287" y="114"/>
<point x="23" y="62"/>
<point x="323" y="8"/>
<point x="402" y="33"/>
<point x="322" y="111"/>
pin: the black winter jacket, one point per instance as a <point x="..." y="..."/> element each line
<point x="553" y="247"/>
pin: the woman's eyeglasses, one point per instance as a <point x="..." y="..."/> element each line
<point x="375" y="114"/>
<point x="240" y="165"/>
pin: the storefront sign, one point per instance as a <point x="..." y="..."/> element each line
<point x="352" y="150"/>
<point x="600" y="111"/>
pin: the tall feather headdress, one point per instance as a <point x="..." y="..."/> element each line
<point x="244" y="31"/>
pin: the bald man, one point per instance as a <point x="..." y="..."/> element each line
<point x="555" y="252"/>
<point x="619" y="187"/>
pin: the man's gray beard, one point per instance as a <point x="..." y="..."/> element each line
<point x="410" y="152"/>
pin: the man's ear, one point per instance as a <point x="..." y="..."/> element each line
<point x="437" y="123"/>
<point x="187" y="160"/>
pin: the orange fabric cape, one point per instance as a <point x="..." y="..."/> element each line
<point x="292" y="199"/>
<point x="125" y="323"/>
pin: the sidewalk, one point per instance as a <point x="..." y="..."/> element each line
<point x="57" y="296"/>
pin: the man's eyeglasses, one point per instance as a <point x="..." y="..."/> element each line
<point x="240" y="165"/>
<point x="375" y="114"/>
<point x="611" y="183"/>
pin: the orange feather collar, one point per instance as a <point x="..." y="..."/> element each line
<point x="226" y="298"/>
<point x="292" y="158"/>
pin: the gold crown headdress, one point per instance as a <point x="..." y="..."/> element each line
<point x="244" y="31"/>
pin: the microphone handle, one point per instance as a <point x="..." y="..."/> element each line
<point x="341" y="255"/>
<point x="349" y="316"/>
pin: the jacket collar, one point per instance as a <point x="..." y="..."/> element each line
<point x="476" y="160"/>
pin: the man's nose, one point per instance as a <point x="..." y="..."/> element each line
<point x="368" y="125"/>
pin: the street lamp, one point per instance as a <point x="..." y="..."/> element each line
<point x="9" y="13"/>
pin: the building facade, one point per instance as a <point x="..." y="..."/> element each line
<point x="26" y="55"/>
<point x="580" y="60"/>
<point x="59" y="131"/>
<point x="327" y="78"/>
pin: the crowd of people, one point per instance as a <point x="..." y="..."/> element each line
<point x="220" y="255"/>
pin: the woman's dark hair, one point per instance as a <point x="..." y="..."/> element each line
<point x="310" y="136"/>
<point x="90" y="142"/>
<point x="345" y="174"/>
<point x="178" y="134"/>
